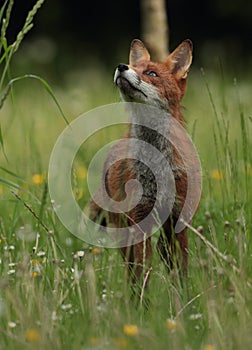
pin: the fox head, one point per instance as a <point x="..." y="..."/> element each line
<point x="161" y="84"/>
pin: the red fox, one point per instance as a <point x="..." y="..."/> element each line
<point x="161" y="85"/>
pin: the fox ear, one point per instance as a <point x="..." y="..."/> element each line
<point x="138" y="52"/>
<point x="180" y="59"/>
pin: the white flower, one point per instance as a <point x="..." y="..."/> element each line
<point x="195" y="316"/>
<point x="66" y="307"/>
<point x="12" y="324"/>
<point x="80" y="253"/>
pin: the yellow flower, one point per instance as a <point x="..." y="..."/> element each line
<point x="96" y="251"/>
<point x="35" y="268"/>
<point x="208" y="347"/>
<point x="32" y="335"/>
<point x="38" y="179"/>
<point x="34" y="262"/>
<point x="216" y="174"/>
<point x="81" y="172"/>
<point x="171" y="324"/>
<point x="131" y="330"/>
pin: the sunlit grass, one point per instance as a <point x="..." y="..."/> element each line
<point x="58" y="292"/>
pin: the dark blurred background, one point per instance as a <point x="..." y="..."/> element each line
<point x="78" y="33"/>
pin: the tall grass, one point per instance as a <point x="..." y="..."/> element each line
<point x="7" y="51"/>
<point x="58" y="292"/>
<point x="52" y="297"/>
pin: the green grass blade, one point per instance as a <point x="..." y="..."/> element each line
<point x="6" y="51"/>
<point x="2" y="144"/>
<point x="12" y="174"/>
<point x="42" y="81"/>
<point x="2" y="9"/>
<point x="9" y="183"/>
<point x="26" y="28"/>
<point x="5" y="21"/>
<point x="51" y="93"/>
<point x="16" y="186"/>
<point x="194" y="129"/>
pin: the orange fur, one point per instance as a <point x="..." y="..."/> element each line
<point x="169" y="81"/>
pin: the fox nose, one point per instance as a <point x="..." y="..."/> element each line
<point x="122" y="67"/>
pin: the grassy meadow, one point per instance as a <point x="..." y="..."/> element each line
<point x="54" y="297"/>
<point x="57" y="292"/>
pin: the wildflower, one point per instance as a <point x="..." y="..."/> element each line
<point x="34" y="262"/>
<point x="216" y="174"/>
<point x="96" y="251"/>
<point x="130" y="330"/>
<point x="41" y="253"/>
<point x="195" y="316"/>
<point x="12" y="324"/>
<point x="171" y="324"/>
<point x="66" y="307"/>
<point x="12" y="264"/>
<point x="81" y="173"/>
<point x="32" y="335"/>
<point x="80" y="253"/>
<point x="38" y="179"/>
<point x="226" y="224"/>
<point x="208" y="347"/>
<point x="11" y="272"/>
<point x="36" y="271"/>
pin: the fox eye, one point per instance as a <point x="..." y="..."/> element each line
<point x="151" y="73"/>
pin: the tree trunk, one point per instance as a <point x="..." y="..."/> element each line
<point x="155" y="28"/>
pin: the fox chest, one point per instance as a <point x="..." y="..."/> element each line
<point x="152" y="166"/>
<point x="150" y="161"/>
